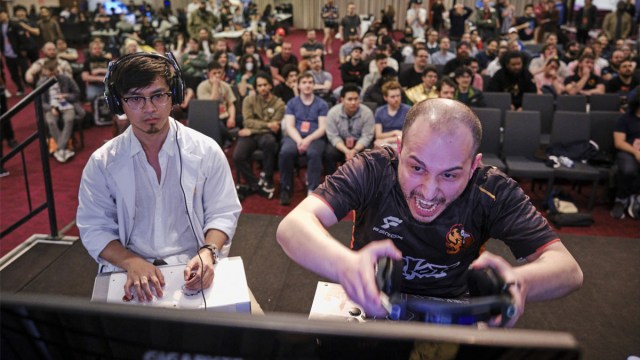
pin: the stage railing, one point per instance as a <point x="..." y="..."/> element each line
<point x="40" y="136"/>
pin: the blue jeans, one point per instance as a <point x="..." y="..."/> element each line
<point x="289" y="155"/>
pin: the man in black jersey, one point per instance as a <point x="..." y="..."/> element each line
<point x="434" y="205"/>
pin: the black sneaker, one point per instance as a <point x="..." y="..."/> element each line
<point x="266" y="192"/>
<point x="243" y="191"/>
<point x="618" y="210"/>
<point x="285" y="198"/>
<point x="12" y="143"/>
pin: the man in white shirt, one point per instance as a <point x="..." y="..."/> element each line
<point x="160" y="193"/>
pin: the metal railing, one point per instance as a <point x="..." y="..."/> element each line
<point x="40" y="135"/>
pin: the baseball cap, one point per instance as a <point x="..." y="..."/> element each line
<point x="357" y="47"/>
<point x="417" y="1"/>
<point x="280" y="31"/>
<point x="418" y="41"/>
<point x="389" y="71"/>
<point x="513" y="30"/>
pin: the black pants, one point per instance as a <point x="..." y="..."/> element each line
<point x="17" y="69"/>
<point x="244" y="149"/>
<point x="332" y="156"/>
<point x="628" y="175"/>
<point x="6" y="130"/>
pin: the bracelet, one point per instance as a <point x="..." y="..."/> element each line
<point x="214" y="251"/>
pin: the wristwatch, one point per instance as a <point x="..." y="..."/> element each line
<point x="214" y="251"/>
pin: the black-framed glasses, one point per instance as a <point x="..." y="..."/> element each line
<point x="137" y="102"/>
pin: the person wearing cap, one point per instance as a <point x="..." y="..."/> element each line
<point x="350" y="128"/>
<point x="443" y="55"/>
<point x="427" y="88"/>
<point x="465" y="93"/>
<point x="311" y="47"/>
<point x="350" y="21"/>
<point x="275" y="46"/>
<point x="345" y="49"/>
<point x="408" y="50"/>
<point x="410" y="76"/>
<point x="280" y="60"/>
<point x="354" y="70"/>
<point x="417" y="18"/>
<point x="514" y="37"/>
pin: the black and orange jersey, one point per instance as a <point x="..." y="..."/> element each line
<point x="436" y="254"/>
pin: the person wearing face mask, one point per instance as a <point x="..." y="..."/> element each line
<point x="246" y="77"/>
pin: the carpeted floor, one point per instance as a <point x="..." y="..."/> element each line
<point x="603" y="315"/>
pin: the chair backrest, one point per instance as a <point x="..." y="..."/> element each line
<point x="571" y="103"/>
<point x="521" y="133"/>
<point x="204" y="117"/>
<point x="602" y="125"/>
<point x="498" y="100"/>
<point x="542" y="103"/>
<point x="604" y="102"/>
<point x="371" y="105"/>
<point x="490" y="120"/>
<point x="569" y="127"/>
<point x="485" y="82"/>
<point x="439" y="70"/>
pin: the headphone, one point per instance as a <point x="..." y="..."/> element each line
<point x="176" y="84"/>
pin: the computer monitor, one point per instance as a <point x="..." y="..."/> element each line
<point x="51" y="327"/>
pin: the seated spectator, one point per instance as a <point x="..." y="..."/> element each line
<point x="462" y="58"/>
<point x="374" y="92"/>
<point x="354" y="70"/>
<point x="513" y="37"/>
<point x="288" y="89"/>
<point x="513" y="78"/>
<point x="384" y="49"/>
<point x="349" y="128"/>
<point x="262" y="113"/>
<point x="411" y="76"/>
<point x="66" y="53"/>
<point x="549" y="81"/>
<point x="426" y="89"/>
<point x="443" y="55"/>
<point x="625" y="81"/>
<point x="194" y="64"/>
<point x="478" y="81"/>
<point x="446" y="88"/>
<point x="371" y="78"/>
<point x="465" y="93"/>
<point x="389" y="118"/>
<point x="276" y="43"/>
<point x="305" y="123"/>
<point x="488" y="55"/>
<point x="432" y="44"/>
<point x="323" y="80"/>
<point x="278" y="62"/>
<point x="59" y="102"/>
<point x="352" y="41"/>
<point x="246" y="76"/>
<point x="214" y="88"/>
<point x="537" y="65"/>
<point x="587" y="50"/>
<point x="572" y="51"/>
<point x="94" y="70"/>
<point x="220" y="44"/>
<point x="229" y="72"/>
<point x="626" y="138"/>
<point x="311" y="47"/>
<point x="611" y="71"/>
<point x="207" y="43"/>
<point x="247" y="37"/>
<point x="495" y="64"/>
<point x="585" y="81"/>
<point x="50" y="53"/>
<point x="250" y="49"/>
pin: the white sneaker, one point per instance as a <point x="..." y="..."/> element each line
<point x="68" y="154"/>
<point x="59" y="155"/>
<point x="19" y="93"/>
<point x="7" y="93"/>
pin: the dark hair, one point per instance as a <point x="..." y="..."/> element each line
<point x="214" y="65"/>
<point x="243" y="62"/>
<point x="349" y="87"/>
<point x="288" y="69"/>
<point x="138" y="72"/>
<point x="586" y="56"/>
<point x="50" y="64"/>
<point x="380" y="56"/>
<point x="463" y="43"/>
<point x="306" y="75"/>
<point x="445" y="81"/>
<point x="18" y="8"/>
<point x="512" y="55"/>
<point x="248" y="44"/>
<point x="216" y="56"/>
<point x="428" y="69"/>
<point x="463" y="70"/>
<point x="264" y="75"/>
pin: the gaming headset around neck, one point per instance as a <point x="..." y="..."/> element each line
<point x="176" y="84"/>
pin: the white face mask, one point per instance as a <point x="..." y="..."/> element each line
<point x="248" y="66"/>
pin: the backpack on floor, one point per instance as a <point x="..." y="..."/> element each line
<point x="101" y="114"/>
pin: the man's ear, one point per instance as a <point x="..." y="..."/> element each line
<point x="477" y="161"/>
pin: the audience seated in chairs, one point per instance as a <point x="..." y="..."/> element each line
<point x="513" y="78"/>
<point x="214" y="88"/>
<point x="426" y="89"/>
<point x="389" y="118"/>
<point x="50" y="53"/>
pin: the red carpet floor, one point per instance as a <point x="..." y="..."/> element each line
<point x="66" y="179"/>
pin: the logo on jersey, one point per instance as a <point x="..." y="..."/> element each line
<point x="457" y="239"/>
<point x="420" y="268"/>
<point x="389" y="221"/>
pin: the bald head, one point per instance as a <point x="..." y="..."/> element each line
<point x="443" y="115"/>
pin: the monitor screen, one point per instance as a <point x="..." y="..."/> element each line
<point x="53" y="327"/>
